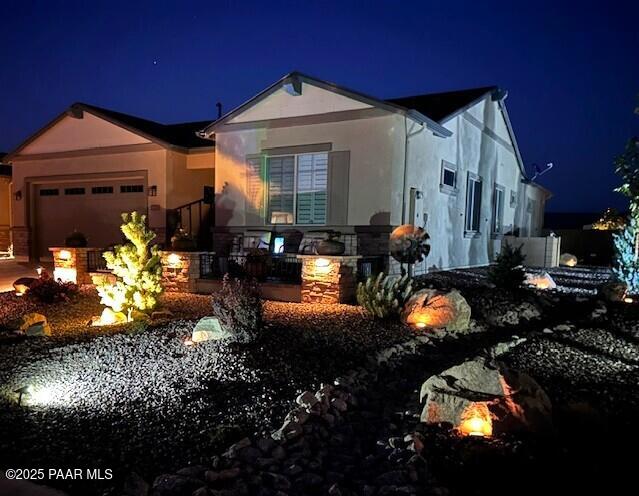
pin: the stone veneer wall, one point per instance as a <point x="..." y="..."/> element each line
<point x="21" y="237"/>
<point x="328" y="280"/>
<point x="180" y="270"/>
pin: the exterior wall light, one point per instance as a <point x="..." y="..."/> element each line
<point x="153" y="190"/>
<point x="18" y="195"/>
<point x="64" y="255"/>
<point x="174" y="260"/>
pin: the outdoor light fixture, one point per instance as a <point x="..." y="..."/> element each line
<point x="18" y="195"/>
<point x="65" y="274"/>
<point x="476" y="421"/>
<point x="322" y="265"/>
<point x="39" y="270"/>
<point x="153" y="190"/>
<point x="21" y="392"/>
<point x="627" y="299"/>
<point x="420" y="325"/>
<point x="174" y="260"/>
<point x="64" y="255"/>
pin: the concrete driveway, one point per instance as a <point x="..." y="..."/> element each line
<point x="10" y="270"/>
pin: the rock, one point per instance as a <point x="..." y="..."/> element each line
<point x="613" y="291"/>
<point x="174" y="485"/>
<point x="339" y="404"/>
<point x="289" y="430"/>
<point x="433" y="309"/>
<point x="134" y="485"/>
<point x="109" y="317"/>
<point x="307" y="400"/>
<point x="488" y="395"/>
<point x="203" y="491"/>
<point x="543" y="281"/>
<point x="265" y="444"/>
<point x="207" y="329"/>
<point x="32" y="324"/>
<point x="514" y="315"/>
<point x="568" y="260"/>
<point x="235" y="449"/>
<point x="279" y="453"/>
<point x="23" y="284"/>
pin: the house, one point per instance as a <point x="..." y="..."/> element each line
<point x="5" y="205"/>
<point x="90" y="164"/>
<point x="305" y="155"/>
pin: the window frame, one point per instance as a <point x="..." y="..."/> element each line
<point x="133" y="188"/>
<point x="266" y="210"/>
<point x="75" y="191"/>
<point x="447" y="188"/>
<point x="498" y="188"/>
<point x="471" y="232"/>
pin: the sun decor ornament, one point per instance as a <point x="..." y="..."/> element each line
<point x="137" y="268"/>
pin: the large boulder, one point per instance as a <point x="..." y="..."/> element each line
<point x="541" y="281"/>
<point x="32" y="324"/>
<point x="485" y="397"/>
<point x="209" y="329"/>
<point x="568" y="260"/>
<point x="433" y="309"/>
<point x="23" y="284"/>
<point x="613" y="291"/>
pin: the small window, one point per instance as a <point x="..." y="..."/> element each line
<point x="102" y="190"/>
<point x="473" y="204"/>
<point x="448" y="180"/>
<point x="132" y="188"/>
<point x="498" y="210"/>
<point x="49" y="192"/>
<point x="513" y="198"/>
<point x="73" y="191"/>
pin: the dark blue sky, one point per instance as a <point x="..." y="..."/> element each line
<point x="572" y="70"/>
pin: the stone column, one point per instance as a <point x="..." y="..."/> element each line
<point x="70" y="264"/>
<point x="180" y="270"/>
<point x="328" y="279"/>
<point x="21" y="239"/>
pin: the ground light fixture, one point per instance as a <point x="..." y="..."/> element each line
<point x="21" y="392"/>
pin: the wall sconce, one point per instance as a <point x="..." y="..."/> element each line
<point x="18" y="195"/>
<point x="153" y="190"/>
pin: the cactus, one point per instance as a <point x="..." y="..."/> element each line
<point x="384" y="296"/>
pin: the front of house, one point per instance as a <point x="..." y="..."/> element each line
<point x="306" y="156"/>
<point x="302" y="158"/>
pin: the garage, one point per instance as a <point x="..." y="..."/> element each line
<point x="91" y="206"/>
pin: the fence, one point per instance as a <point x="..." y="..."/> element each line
<point x="276" y="268"/>
<point x="96" y="262"/>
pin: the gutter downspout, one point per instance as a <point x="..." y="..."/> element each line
<point x="404" y="187"/>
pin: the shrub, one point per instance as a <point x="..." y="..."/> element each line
<point x="384" y="296"/>
<point x="626" y="266"/>
<point x="137" y="268"/>
<point x="238" y="305"/>
<point x="508" y="271"/>
<point x="76" y="240"/>
<point x="47" y="290"/>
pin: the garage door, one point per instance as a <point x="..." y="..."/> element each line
<point x="92" y="207"/>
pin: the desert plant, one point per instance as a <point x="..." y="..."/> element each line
<point x="136" y="266"/>
<point x="47" y="290"/>
<point x="384" y="296"/>
<point x="626" y="266"/>
<point x="238" y="306"/>
<point x="508" y="271"/>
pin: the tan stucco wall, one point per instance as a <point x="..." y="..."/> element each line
<point x="185" y="185"/>
<point x="374" y="145"/>
<point x="5" y="212"/>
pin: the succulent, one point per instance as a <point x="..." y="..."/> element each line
<point x="384" y="296"/>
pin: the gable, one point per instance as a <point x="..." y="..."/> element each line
<point x="70" y="133"/>
<point x="313" y="101"/>
<point x="487" y="115"/>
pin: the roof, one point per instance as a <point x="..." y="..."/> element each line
<point x="296" y="78"/>
<point x="181" y="134"/>
<point x="442" y="106"/>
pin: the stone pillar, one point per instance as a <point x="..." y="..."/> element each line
<point x="71" y="264"/>
<point x="21" y="238"/>
<point x="328" y="279"/>
<point x="180" y="270"/>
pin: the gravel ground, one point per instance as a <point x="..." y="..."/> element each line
<point x="148" y="402"/>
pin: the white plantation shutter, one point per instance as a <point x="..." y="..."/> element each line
<point x="281" y="191"/>
<point x="312" y="179"/>
<point x="254" y="191"/>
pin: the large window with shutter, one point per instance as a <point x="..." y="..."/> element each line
<point x="296" y="188"/>
<point x="473" y="204"/>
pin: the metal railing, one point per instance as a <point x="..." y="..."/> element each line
<point x="272" y="268"/>
<point x="96" y="262"/>
<point x="369" y="266"/>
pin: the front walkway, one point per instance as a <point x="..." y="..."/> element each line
<point x="10" y="270"/>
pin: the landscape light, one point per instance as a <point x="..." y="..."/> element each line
<point x="64" y="255"/>
<point x="21" y="392"/>
<point x="174" y="260"/>
<point x="39" y="270"/>
<point x="65" y="274"/>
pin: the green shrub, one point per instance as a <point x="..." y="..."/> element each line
<point x="238" y="306"/>
<point x="508" y="272"/>
<point x="384" y="296"/>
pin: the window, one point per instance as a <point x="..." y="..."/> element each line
<point x="73" y="191"/>
<point x="498" y="210"/>
<point x="49" y="192"/>
<point x="102" y="190"/>
<point x="132" y="188"/>
<point x="513" y="198"/>
<point x="297" y="188"/>
<point x="448" y="180"/>
<point x="473" y="204"/>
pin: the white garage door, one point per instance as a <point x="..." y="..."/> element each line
<point x="91" y="207"/>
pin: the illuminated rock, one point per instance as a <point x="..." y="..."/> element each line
<point x="432" y="309"/>
<point x="480" y="397"/>
<point x="568" y="260"/>
<point x="23" y="284"/>
<point x="33" y="324"/>
<point x="109" y="317"/>
<point x="543" y="281"/>
<point x="209" y="329"/>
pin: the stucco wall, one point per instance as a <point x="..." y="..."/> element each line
<point x="185" y="185"/>
<point x="5" y="214"/>
<point x="375" y="145"/>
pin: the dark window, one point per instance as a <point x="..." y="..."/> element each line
<point x="449" y="178"/>
<point x="132" y="188"/>
<point x="73" y="191"/>
<point x="49" y="192"/>
<point x="473" y="204"/>
<point x="102" y="190"/>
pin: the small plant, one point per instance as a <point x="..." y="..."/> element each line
<point x="384" y="296"/>
<point x="137" y="268"/>
<point x="508" y="271"/>
<point x="47" y="290"/>
<point x="626" y="266"/>
<point x="238" y="306"/>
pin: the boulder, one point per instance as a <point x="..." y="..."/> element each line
<point x="23" y="284"/>
<point x="568" y="260"/>
<point x="541" y="281"/>
<point x="32" y="324"/>
<point x="209" y="329"/>
<point x="613" y="291"/>
<point x="485" y="397"/>
<point x="513" y="315"/>
<point x="109" y="317"/>
<point x="433" y="309"/>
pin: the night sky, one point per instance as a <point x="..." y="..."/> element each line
<point x="572" y="70"/>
